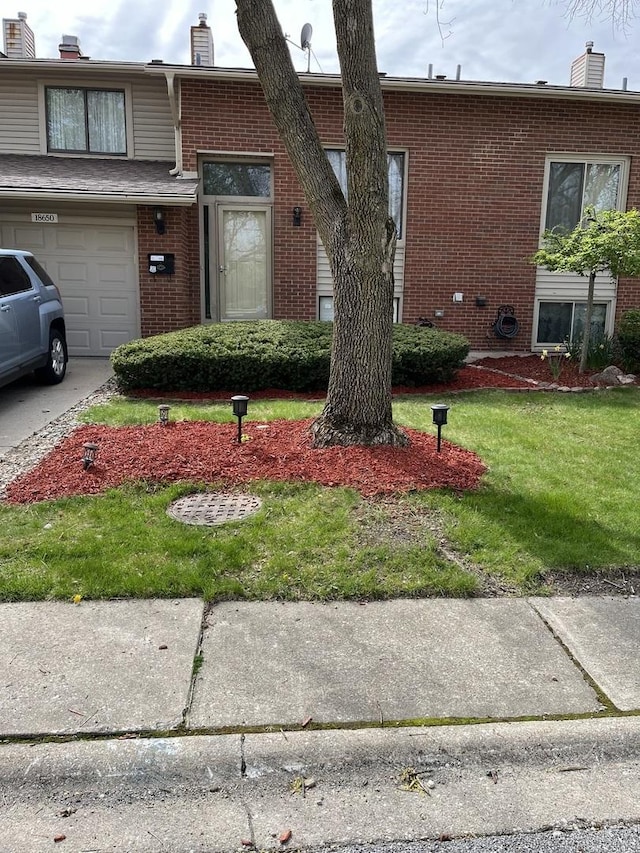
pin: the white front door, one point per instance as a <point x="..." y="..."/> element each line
<point x="244" y="262"/>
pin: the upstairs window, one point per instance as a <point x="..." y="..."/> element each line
<point x="86" y="121"/>
<point x="395" y="165"/>
<point x="576" y="185"/>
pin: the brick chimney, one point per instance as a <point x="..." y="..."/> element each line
<point x="19" y="41"/>
<point x="70" y="48"/>
<point x="201" y="43"/>
<point x="587" y="70"/>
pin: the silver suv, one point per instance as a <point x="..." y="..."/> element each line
<point x="32" y="329"/>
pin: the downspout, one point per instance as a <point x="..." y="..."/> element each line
<point x="175" y="115"/>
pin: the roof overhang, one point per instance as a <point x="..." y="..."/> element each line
<point x="423" y="85"/>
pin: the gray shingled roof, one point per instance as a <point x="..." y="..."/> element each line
<point x="115" y="180"/>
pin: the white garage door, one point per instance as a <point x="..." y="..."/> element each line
<point x="95" y="268"/>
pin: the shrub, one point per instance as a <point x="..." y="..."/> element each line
<point x="251" y="356"/>
<point x="629" y="339"/>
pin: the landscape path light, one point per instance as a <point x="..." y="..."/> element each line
<point x="240" y="405"/>
<point x="90" y="451"/>
<point x="439" y="418"/>
<point x="163" y="413"/>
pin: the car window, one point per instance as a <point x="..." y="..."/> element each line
<point x="40" y="271"/>
<point x="13" y="278"/>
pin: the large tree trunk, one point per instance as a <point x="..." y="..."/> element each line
<point x="586" y="334"/>
<point x="358" y="236"/>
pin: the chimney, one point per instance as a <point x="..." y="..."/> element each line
<point x="201" y="43"/>
<point x="70" y="48"/>
<point x="587" y="70"/>
<point x="19" y="41"/>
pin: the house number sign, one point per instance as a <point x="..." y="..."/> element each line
<point x="44" y="217"/>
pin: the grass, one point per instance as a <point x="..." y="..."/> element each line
<point x="561" y="493"/>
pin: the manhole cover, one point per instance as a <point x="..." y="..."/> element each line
<point x="213" y="508"/>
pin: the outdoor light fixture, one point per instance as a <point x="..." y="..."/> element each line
<point x="163" y="414"/>
<point x="90" y="451"/>
<point x="158" y="218"/>
<point x="439" y="418"/>
<point x="239" y="403"/>
<point x="297" y="215"/>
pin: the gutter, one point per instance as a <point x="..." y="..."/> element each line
<point x="175" y="115"/>
<point x="52" y="195"/>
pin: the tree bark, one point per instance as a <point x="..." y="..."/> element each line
<point x="358" y="235"/>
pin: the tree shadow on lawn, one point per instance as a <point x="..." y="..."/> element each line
<point x="555" y="539"/>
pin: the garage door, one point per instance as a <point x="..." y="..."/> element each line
<point x="95" y="269"/>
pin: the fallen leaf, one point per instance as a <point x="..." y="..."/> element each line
<point x="58" y="838"/>
<point x="306" y="721"/>
<point x="246" y="842"/>
<point x="285" y="836"/>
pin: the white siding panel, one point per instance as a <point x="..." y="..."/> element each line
<point x="558" y="287"/>
<point x="325" y="281"/>
<point x="19" y="127"/>
<point x="153" y="133"/>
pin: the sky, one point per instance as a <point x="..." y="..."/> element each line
<point x="492" y="40"/>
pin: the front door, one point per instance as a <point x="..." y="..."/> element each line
<point x="243" y="262"/>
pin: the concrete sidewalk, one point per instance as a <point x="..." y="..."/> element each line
<point x="127" y="666"/>
<point x="223" y="712"/>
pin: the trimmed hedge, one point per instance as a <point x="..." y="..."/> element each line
<point x="261" y="354"/>
<point x="629" y="338"/>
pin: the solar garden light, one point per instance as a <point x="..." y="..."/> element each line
<point x="439" y="418"/>
<point x="89" y="454"/>
<point x="239" y="403"/>
<point x="163" y="414"/>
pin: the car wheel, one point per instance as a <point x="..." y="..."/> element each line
<point x="56" y="366"/>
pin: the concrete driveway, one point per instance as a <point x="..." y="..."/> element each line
<point x="26" y="406"/>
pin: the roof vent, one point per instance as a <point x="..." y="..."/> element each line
<point x="19" y="41"/>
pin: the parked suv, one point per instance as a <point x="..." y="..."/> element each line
<point x="32" y="329"/>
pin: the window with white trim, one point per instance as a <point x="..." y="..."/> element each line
<point x="574" y="185"/>
<point x="564" y="321"/>
<point x="395" y="165"/>
<point x="85" y="121"/>
<point x="325" y="308"/>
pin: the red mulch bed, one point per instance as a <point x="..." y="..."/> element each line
<point x="278" y="450"/>
<point x="206" y="452"/>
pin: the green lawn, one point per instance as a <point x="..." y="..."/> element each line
<point x="561" y="493"/>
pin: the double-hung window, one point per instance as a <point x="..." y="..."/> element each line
<point x="85" y="121"/>
<point x="396" y="163"/>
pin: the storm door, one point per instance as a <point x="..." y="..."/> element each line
<point x="244" y="262"/>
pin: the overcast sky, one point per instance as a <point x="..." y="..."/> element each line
<point x="497" y="40"/>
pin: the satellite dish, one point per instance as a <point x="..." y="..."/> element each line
<point x="305" y="37"/>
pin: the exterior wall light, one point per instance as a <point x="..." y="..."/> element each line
<point x="240" y="404"/>
<point x="90" y="451"/>
<point x="158" y="218"/>
<point x="297" y="215"/>
<point x="439" y="412"/>
<point x="163" y="414"/>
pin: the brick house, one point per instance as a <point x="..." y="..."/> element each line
<point x="476" y="169"/>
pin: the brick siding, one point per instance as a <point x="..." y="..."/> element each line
<point x="474" y="196"/>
